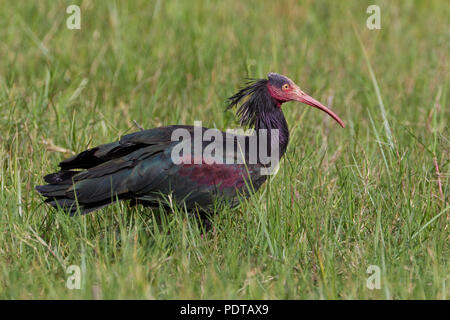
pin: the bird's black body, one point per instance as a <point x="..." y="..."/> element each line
<point x="140" y="166"/>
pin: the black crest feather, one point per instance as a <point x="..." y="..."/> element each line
<point x="255" y="98"/>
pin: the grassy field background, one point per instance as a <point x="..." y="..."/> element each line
<point x="344" y="199"/>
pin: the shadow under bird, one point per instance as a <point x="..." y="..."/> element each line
<point x="139" y="167"/>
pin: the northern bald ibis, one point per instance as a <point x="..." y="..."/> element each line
<point x="141" y="166"/>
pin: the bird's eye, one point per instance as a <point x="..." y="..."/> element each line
<point x="285" y="86"/>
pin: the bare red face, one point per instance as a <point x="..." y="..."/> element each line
<point x="283" y="89"/>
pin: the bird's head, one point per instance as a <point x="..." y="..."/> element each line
<point x="282" y="89"/>
<point x="266" y="94"/>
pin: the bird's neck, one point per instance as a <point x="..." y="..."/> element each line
<point x="272" y="126"/>
<point x="263" y="113"/>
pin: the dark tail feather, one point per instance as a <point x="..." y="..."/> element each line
<point x="86" y="191"/>
<point x="98" y="155"/>
<point x="58" y="197"/>
<point x="105" y="179"/>
<point x="60" y="177"/>
<point x="70" y="206"/>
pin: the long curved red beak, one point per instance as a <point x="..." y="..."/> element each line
<point x="304" y="98"/>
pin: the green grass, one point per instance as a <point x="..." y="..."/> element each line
<point x="344" y="199"/>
